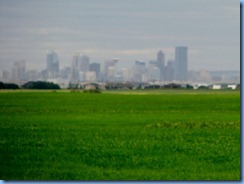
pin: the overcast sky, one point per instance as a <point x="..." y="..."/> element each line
<point x="127" y="29"/>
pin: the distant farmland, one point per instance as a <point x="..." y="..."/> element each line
<point x="146" y="135"/>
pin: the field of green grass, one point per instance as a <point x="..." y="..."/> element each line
<point x="144" y="135"/>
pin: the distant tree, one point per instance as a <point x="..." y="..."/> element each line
<point x="2" y="86"/>
<point x="152" y="87"/>
<point x="8" y="86"/>
<point x="40" y="85"/>
<point x="171" y="86"/>
<point x="11" y="86"/>
<point x="188" y="86"/>
<point x="202" y="87"/>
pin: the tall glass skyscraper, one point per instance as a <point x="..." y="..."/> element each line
<point x="161" y="64"/>
<point x="181" y="64"/>
<point x="52" y="64"/>
<point x="18" y="71"/>
<point x="84" y="63"/>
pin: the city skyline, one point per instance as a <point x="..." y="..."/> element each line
<point x="129" y="30"/>
<point x="82" y="69"/>
<point x="121" y="65"/>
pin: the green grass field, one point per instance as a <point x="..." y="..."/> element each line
<point x="142" y="135"/>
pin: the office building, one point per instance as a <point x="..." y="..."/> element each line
<point x="153" y="72"/>
<point x="84" y="63"/>
<point x="161" y="64"/>
<point x="139" y="70"/>
<point x="79" y="67"/>
<point x="110" y="69"/>
<point x="127" y="74"/>
<point x="181" y="64"/>
<point x="95" y="67"/>
<point x="18" y="71"/>
<point x="170" y="70"/>
<point x="52" y="64"/>
<point x="74" y="77"/>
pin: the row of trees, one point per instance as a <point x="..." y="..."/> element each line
<point x="8" y="86"/>
<point x="30" y="85"/>
<point x="115" y="86"/>
<point x="40" y="85"/>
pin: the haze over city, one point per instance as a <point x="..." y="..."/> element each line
<point x="129" y="30"/>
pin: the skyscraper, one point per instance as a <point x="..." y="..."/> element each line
<point x="153" y="72"/>
<point x="181" y="65"/>
<point x="84" y="63"/>
<point x="170" y="71"/>
<point x="18" y="71"/>
<point x="52" y="64"/>
<point x="139" y="69"/>
<point x="96" y="67"/>
<point x="79" y="67"/>
<point x="109" y="69"/>
<point x="75" y="69"/>
<point x="161" y="64"/>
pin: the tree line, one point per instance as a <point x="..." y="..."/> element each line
<point x="30" y="85"/>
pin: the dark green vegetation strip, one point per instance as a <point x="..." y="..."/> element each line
<point x="78" y="136"/>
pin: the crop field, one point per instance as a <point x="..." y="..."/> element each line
<point x="144" y="135"/>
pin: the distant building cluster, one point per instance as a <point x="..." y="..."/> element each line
<point x="82" y="70"/>
<point x="158" y="70"/>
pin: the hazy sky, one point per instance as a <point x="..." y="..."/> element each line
<point x="127" y="29"/>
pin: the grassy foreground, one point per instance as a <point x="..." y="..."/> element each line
<point x="160" y="136"/>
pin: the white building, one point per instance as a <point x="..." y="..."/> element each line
<point x="232" y="86"/>
<point x="216" y="86"/>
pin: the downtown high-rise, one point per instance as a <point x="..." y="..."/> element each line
<point x="181" y="63"/>
<point x="52" y="64"/>
<point x="19" y="71"/>
<point x="161" y="64"/>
